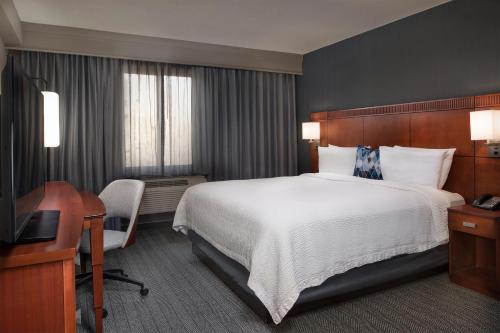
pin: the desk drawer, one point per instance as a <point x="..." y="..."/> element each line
<point x="472" y="225"/>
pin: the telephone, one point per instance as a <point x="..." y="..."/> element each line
<point x="487" y="201"/>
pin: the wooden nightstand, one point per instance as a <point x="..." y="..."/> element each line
<point x="474" y="259"/>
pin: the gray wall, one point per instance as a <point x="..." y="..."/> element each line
<point x="448" y="51"/>
<point x="3" y="59"/>
<point x="3" y="55"/>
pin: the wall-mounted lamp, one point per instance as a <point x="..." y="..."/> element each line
<point x="485" y="125"/>
<point x="311" y="132"/>
<point x="51" y="118"/>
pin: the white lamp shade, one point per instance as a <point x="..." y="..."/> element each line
<point x="51" y="118"/>
<point x="310" y="131"/>
<point x="485" y="125"/>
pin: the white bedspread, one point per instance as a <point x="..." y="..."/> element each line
<point x="292" y="233"/>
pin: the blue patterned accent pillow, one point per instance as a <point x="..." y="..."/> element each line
<point x="368" y="163"/>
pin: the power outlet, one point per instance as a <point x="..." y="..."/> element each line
<point x="494" y="150"/>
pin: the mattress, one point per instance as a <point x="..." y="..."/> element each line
<point x="293" y="233"/>
<point x="454" y="199"/>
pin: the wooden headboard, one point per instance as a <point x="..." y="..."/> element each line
<point x="431" y="124"/>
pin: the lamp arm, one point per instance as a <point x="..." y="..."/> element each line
<point x="41" y="79"/>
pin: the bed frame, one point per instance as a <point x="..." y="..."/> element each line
<point x="355" y="282"/>
<point x="431" y="124"/>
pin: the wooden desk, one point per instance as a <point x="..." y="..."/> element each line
<point x="94" y="221"/>
<point x="37" y="281"/>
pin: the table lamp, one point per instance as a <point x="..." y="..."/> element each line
<point x="485" y="125"/>
<point x="311" y="132"/>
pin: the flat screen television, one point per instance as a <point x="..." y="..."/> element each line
<point x="22" y="154"/>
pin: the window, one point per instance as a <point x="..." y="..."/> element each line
<point x="178" y="121"/>
<point x="157" y="119"/>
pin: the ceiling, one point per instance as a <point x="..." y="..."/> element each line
<point x="293" y="26"/>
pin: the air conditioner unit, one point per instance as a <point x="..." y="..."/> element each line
<point x="162" y="195"/>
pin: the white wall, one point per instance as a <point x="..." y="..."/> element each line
<point x="31" y="36"/>
<point x="116" y="45"/>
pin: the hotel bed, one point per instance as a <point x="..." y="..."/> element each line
<point x="290" y="243"/>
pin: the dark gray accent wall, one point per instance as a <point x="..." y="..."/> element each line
<point x="448" y="51"/>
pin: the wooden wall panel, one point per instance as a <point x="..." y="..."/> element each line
<point x="431" y="124"/>
<point x="487" y="101"/>
<point x="487" y="175"/>
<point x="318" y="116"/>
<point x="461" y="177"/>
<point x="426" y="106"/>
<point x="313" y="152"/>
<point x="480" y="148"/>
<point x="387" y="130"/>
<point x="323" y="128"/>
<point x="345" y="132"/>
<point x="442" y="129"/>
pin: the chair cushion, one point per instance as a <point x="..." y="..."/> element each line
<point x="112" y="240"/>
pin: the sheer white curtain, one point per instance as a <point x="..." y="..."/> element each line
<point x="157" y="119"/>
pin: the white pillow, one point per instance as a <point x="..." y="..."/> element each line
<point x="448" y="160"/>
<point x="330" y="146"/>
<point x="414" y="167"/>
<point x="340" y="160"/>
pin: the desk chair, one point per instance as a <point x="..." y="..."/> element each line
<point x="121" y="198"/>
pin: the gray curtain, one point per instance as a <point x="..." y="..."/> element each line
<point x="125" y="118"/>
<point x="244" y="124"/>
<point x="91" y="103"/>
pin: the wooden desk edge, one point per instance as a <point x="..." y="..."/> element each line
<point x="34" y="258"/>
<point x="93" y="206"/>
<point x="94" y="211"/>
<point x="60" y="196"/>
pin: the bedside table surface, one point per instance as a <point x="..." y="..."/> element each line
<point x="471" y="210"/>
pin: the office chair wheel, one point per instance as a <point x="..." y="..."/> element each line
<point x="104" y="313"/>
<point x="144" y="291"/>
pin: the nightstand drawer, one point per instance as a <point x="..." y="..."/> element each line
<point x="472" y="225"/>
